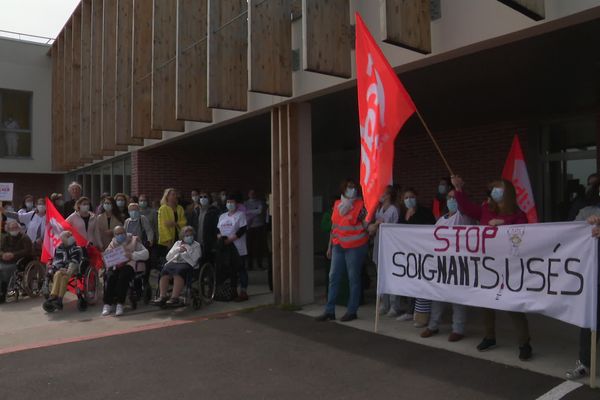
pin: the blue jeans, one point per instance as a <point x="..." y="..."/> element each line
<point x="243" y="273"/>
<point x="346" y="261"/>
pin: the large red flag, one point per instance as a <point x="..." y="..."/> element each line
<point x="383" y="106"/>
<point x="55" y="224"/>
<point x="515" y="170"/>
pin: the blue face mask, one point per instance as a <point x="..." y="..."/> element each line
<point x="121" y="238"/>
<point x="442" y="189"/>
<point x="410" y="202"/>
<point x="452" y="205"/>
<point x="134" y="214"/>
<point x="188" y="239"/>
<point x="120" y="203"/>
<point x="107" y="207"/>
<point x="231" y="206"/>
<point x="350" y="193"/>
<point x="497" y="194"/>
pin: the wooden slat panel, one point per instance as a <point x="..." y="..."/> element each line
<point x="96" y="84"/>
<point x="142" y="71"/>
<point x="192" y="102"/>
<point x="275" y="206"/>
<point x="534" y="9"/>
<point x="76" y="88"/>
<point x="57" y="105"/>
<point x="270" y="44"/>
<point x="86" y="79"/>
<point x="109" y="78"/>
<point x="406" y="23"/>
<point x="164" y="66"/>
<point x="67" y="110"/>
<point x="326" y="37"/>
<point x="124" y="74"/>
<point x="228" y="54"/>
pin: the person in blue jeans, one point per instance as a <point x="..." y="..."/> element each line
<point x="347" y="250"/>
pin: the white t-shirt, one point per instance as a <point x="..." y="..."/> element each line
<point x="229" y="224"/>
<point x="389" y="216"/>
<point x="456" y="219"/>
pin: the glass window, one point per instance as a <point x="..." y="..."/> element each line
<point x="127" y="177"/>
<point x="117" y="177"/>
<point x="15" y="123"/>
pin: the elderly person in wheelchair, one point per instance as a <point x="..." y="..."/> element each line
<point x="14" y="247"/>
<point x="118" y="277"/>
<point x="181" y="259"/>
<point x="65" y="263"/>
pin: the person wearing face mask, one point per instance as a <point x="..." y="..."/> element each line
<point x="204" y="219"/>
<point x="107" y="221"/>
<point x="189" y="209"/>
<point x="347" y="250"/>
<point x="500" y="209"/>
<point x="139" y="226"/>
<point x="13" y="247"/>
<point x="438" y="207"/>
<point x="231" y="229"/>
<point x="118" y="277"/>
<point x="28" y="205"/>
<point x="65" y="263"/>
<point x="59" y="203"/>
<point x="34" y="222"/>
<point x="182" y="257"/>
<point x="411" y="212"/>
<point x="84" y="222"/>
<point x="171" y="219"/>
<point x="386" y="213"/>
<point x="121" y="201"/>
<point x="459" y="312"/>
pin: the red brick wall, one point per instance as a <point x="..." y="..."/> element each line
<point x="477" y="154"/>
<point x="220" y="168"/>
<point x="38" y="185"/>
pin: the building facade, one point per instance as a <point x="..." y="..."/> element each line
<point x="237" y="95"/>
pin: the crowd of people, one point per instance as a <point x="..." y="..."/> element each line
<point x="176" y="233"/>
<point x="173" y="235"/>
<point x="352" y="234"/>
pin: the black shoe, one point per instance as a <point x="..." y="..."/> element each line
<point x="486" y="344"/>
<point x="325" y="317"/>
<point x="58" y="304"/>
<point x="159" y="301"/>
<point x="525" y="352"/>
<point x="49" y="306"/>
<point x="348" y="317"/>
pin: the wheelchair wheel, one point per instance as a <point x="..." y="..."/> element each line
<point x="207" y="282"/>
<point x="91" y="286"/>
<point x="34" y="276"/>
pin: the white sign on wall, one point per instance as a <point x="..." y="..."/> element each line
<point x="6" y="192"/>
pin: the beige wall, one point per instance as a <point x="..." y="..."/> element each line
<point x="26" y="66"/>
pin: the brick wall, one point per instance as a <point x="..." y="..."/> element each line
<point x="219" y="168"/>
<point x="477" y="154"/>
<point x="38" y="185"/>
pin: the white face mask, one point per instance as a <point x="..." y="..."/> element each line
<point x="350" y="193"/>
<point x="204" y="201"/>
<point x="41" y="208"/>
<point x="84" y="208"/>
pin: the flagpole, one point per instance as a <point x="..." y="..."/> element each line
<point x="437" y="147"/>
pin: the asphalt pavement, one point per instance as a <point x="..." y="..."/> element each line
<point x="262" y="354"/>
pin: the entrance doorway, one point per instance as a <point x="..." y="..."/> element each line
<point x="569" y="157"/>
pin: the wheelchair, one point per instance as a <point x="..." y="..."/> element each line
<point x="85" y="284"/>
<point x="27" y="280"/>
<point x="200" y="285"/>
<point x="139" y="290"/>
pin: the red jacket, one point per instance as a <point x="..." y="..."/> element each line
<point x="483" y="214"/>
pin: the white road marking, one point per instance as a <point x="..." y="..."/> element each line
<point x="560" y="391"/>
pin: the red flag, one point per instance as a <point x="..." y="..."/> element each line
<point x="515" y="170"/>
<point x="436" y="208"/>
<point x="383" y="106"/>
<point x="55" y="224"/>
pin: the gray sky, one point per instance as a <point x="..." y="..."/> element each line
<point x="35" y="17"/>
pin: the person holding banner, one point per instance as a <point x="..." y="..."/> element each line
<point x="459" y="311"/>
<point x="582" y="366"/>
<point x="347" y="250"/>
<point x="501" y="208"/>
<point x="386" y="213"/>
<point x="117" y="278"/>
<point x="411" y="212"/>
<point x="84" y="221"/>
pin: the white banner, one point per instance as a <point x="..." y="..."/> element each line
<point x="550" y="269"/>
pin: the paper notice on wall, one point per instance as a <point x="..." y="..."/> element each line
<point x="6" y="192"/>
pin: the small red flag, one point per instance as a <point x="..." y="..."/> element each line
<point x="515" y="170"/>
<point x="384" y="105"/>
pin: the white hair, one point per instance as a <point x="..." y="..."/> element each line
<point x="65" y="234"/>
<point x="74" y="184"/>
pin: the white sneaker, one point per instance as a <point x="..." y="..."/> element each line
<point x="120" y="310"/>
<point x="405" y="317"/>
<point x="106" y="310"/>
<point x="580" y="371"/>
<point x="392" y="313"/>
